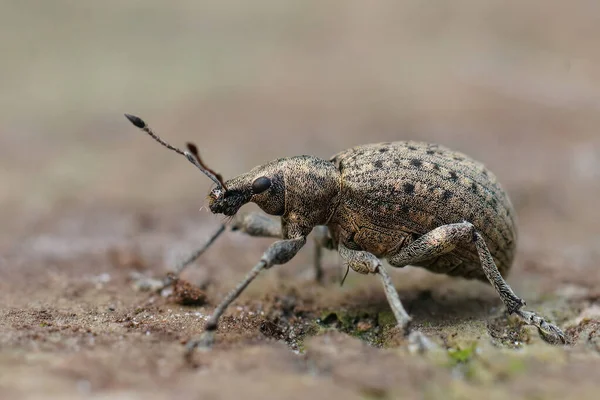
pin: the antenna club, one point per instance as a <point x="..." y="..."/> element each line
<point x="137" y="121"/>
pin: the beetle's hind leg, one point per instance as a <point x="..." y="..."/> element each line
<point x="444" y="239"/>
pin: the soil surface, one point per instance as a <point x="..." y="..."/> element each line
<point x="89" y="205"/>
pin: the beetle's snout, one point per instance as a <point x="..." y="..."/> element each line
<point x="225" y="202"/>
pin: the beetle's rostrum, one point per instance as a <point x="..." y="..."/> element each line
<point x="408" y="203"/>
<point x="227" y="202"/>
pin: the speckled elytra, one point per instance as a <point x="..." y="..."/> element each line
<point x="409" y="203"/>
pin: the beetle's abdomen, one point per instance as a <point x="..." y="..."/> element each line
<point x="415" y="187"/>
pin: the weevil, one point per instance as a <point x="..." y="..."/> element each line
<point x="409" y="203"/>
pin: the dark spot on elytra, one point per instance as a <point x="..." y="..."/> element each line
<point x="416" y="162"/>
<point x="409" y="188"/>
<point x="411" y="148"/>
<point x="494" y="202"/>
<point x="355" y="155"/>
<point x="397" y="162"/>
<point x="453" y="176"/>
<point x="378" y="164"/>
<point x="484" y="172"/>
<point x="458" y="158"/>
<point x="383" y="149"/>
<point x="447" y="195"/>
<point x="473" y="187"/>
<point x="430" y="152"/>
<point x="436" y="166"/>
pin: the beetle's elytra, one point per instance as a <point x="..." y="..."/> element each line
<point x="409" y="203"/>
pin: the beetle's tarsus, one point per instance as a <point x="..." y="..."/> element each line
<point x="549" y="332"/>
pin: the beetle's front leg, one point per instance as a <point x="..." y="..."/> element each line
<point x="259" y="225"/>
<point x="444" y="239"/>
<point x="279" y="252"/>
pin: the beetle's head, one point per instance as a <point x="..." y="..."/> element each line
<point x="309" y="188"/>
<point x="263" y="185"/>
<point x="306" y="186"/>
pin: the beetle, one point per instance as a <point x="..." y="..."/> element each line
<point x="409" y="203"/>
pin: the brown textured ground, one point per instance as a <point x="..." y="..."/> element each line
<point x="85" y="201"/>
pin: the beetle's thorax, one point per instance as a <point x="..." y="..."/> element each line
<point x="312" y="194"/>
<point x="303" y="190"/>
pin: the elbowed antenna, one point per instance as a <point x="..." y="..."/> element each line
<point x="192" y="154"/>
<point x="193" y="150"/>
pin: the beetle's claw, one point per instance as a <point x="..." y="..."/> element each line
<point x="552" y="333"/>
<point x="203" y="342"/>
<point x="419" y="343"/>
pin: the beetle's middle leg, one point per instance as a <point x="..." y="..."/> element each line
<point x="364" y="262"/>
<point x="257" y="225"/>
<point x="444" y="239"/>
<point x="253" y="224"/>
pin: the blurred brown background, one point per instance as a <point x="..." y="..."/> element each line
<point x="505" y="81"/>
<point x="515" y="84"/>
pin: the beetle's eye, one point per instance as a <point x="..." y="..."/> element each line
<point x="260" y="185"/>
